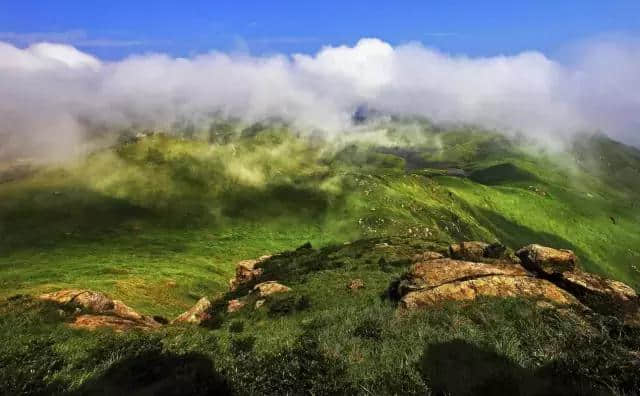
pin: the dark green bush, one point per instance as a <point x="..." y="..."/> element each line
<point x="236" y="326"/>
<point x="242" y="345"/>
<point x="369" y="328"/>
<point x="287" y="303"/>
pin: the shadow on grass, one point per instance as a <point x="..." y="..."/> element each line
<point x="275" y="200"/>
<point x="44" y="217"/>
<point x="503" y="174"/>
<point x="460" y="368"/>
<point x="515" y="235"/>
<point x="157" y="373"/>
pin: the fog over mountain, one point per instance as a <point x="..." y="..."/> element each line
<point x="51" y="94"/>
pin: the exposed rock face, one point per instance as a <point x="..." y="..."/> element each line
<point x="246" y="272"/>
<point x="268" y="288"/>
<point x="93" y="301"/>
<point x="476" y="251"/>
<point x="430" y="282"/>
<point x="473" y="251"/>
<point x="426" y="256"/>
<point x="547" y="260"/>
<point x="235" y="305"/>
<point x="438" y="272"/>
<point x="603" y="294"/>
<point x="547" y="274"/>
<point x="494" y="286"/>
<point x="106" y="312"/>
<point x="197" y="314"/>
<point x="116" y="323"/>
<point x="355" y="284"/>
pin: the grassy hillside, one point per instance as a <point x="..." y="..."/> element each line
<point x="322" y="338"/>
<point x="160" y="221"/>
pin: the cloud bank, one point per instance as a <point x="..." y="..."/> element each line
<point x="51" y="93"/>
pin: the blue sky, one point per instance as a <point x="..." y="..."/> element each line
<point x="114" y="29"/>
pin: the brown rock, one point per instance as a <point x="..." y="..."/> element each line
<point x="426" y="256"/>
<point x="93" y="322"/>
<point x="494" y="286"/>
<point x="438" y="272"/>
<point x="197" y="314"/>
<point x="355" y="284"/>
<point x="235" y="305"/>
<point x="265" y="289"/>
<point x="604" y="295"/>
<point x="108" y="313"/>
<point x="246" y="272"/>
<point x="473" y="251"/>
<point x="547" y="260"/>
<point x="93" y="301"/>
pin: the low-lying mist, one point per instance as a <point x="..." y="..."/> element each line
<point x="52" y="96"/>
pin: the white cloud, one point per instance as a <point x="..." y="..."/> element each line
<point x="48" y="91"/>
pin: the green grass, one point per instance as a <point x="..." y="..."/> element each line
<point x="334" y="342"/>
<point x="160" y="222"/>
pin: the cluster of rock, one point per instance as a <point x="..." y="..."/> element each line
<point x="246" y="272"/>
<point x="102" y="311"/>
<point x="97" y="310"/>
<point x="471" y="270"/>
<point x="478" y="269"/>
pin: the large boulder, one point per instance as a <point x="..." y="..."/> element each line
<point x="246" y="272"/>
<point x="440" y="271"/>
<point x="431" y="282"/>
<point x="493" y="286"/>
<point x="546" y="260"/>
<point x="601" y="294"/>
<point x="197" y="314"/>
<point x="104" y="312"/>
<point x="265" y="289"/>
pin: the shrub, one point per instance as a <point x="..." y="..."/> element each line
<point x="242" y="345"/>
<point x="287" y="303"/>
<point x="369" y="328"/>
<point x="237" y="326"/>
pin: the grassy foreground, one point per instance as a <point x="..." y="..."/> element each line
<point x="159" y="222"/>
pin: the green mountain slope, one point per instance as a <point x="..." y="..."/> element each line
<point x="161" y="210"/>
<point x="160" y="221"/>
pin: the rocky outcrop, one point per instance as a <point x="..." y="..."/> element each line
<point x="438" y="272"/>
<point x="430" y="282"/>
<point x="546" y="260"/>
<point x="104" y="312"/>
<point x="116" y="323"/>
<point x="472" y="250"/>
<point x="544" y="273"/>
<point x="604" y="295"/>
<point x="476" y="251"/>
<point x="246" y="272"/>
<point x="493" y="286"/>
<point x="87" y="299"/>
<point x="197" y="314"/>
<point x="265" y="289"/>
